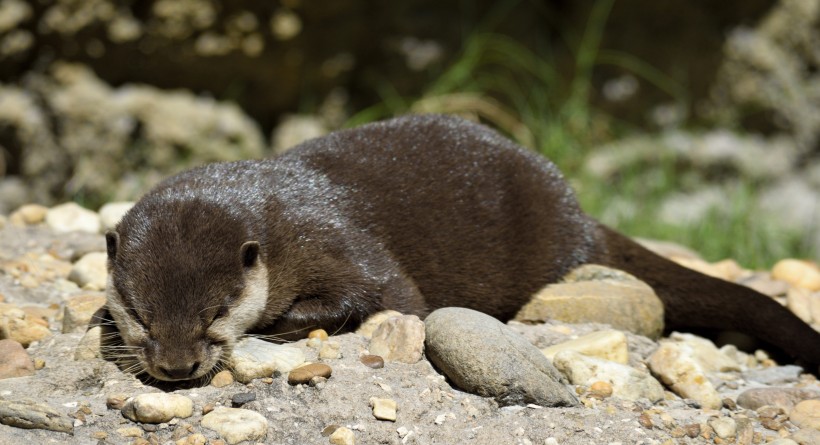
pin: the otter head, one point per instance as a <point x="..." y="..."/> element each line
<point x="182" y="288"/>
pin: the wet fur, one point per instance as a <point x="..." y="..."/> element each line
<point x="412" y="214"/>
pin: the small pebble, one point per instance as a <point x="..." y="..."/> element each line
<point x="242" y="398"/>
<point x="342" y="436"/>
<point x="303" y="374"/>
<point x="115" y="401"/>
<point x="208" y="408"/>
<point x="600" y="390"/>
<point x="131" y="431"/>
<point x="321" y="334"/>
<point x="645" y="421"/>
<point x="222" y="379"/>
<point x="39" y="364"/>
<point x="692" y="430"/>
<point x="372" y="361"/>
<point x="329" y="430"/>
<point x="384" y="409"/>
<point x="329" y="351"/>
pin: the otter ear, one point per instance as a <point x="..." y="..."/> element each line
<point x="249" y="253"/>
<point x="112" y="241"/>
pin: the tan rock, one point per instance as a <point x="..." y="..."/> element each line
<point x="367" y="328"/>
<point x="329" y="351"/>
<point x="384" y="409"/>
<point x="597" y="294"/>
<point x="608" y="345"/>
<point x="222" y="379"/>
<point x="236" y="425"/>
<point x="15" y="325"/>
<point x="14" y="360"/>
<point x="342" y="436"/>
<point x="321" y="334"/>
<point x="798" y="273"/>
<point x="90" y="346"/>
<point x="806" y="414"/>
<point x="399" y="339"/>
<point x="90" y="272"/>
<point x="624" y="382"/>
<point x="112" y="213"/>
<point x="304" y="374"/>
<point x="157" y="407"/>
<point x="798" y="300"/>
<point x="70" y="217"/>
<point x="79" y="309"/>
<point x="28" y="214"/>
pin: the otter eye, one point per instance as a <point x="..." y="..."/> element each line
<point x="223" y="311"/>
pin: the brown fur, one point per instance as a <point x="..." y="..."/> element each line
<point x="411" y="214"/>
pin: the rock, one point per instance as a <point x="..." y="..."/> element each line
<point x="329" y="351"/>
<point x="90" y="272"/>
<point x="372" y="361"/>
<point x="806" y="436"/>
<point x="90" y="346"/>
<point x="222" y="379"/>
<point x="236" y="425"/>
<point x="627" y="383"/>
<point x="399" y="339"/>
<point x="483" y="356"/>
<point x="131" y="431"/>
<point x="798" y="301"/>
<point x="597" y="294"/>
<point x="763" y="283"/>
<point x="70" y="217"/>
<point x="600" y="390"/>
<point x="193" y="439"/>
<point x="253" y="358"/>
<point x="112" y="213"/>
<point x="798" y="273"/>
<point x="725" y="427"/>
<point x="14" y="360"/>
<point x="367" y="328"/>
<point x="17" y="326"/>
<point x="784" y="398"/>
<point x="157" y="407"/>
<point x="304" y="374"/>
<point x="727" y="270"/>
<point x="806" y="414"/>
<point x="383" y="409"/>
<point x="242" y="398"/>
<point x="28" y="214"/>
<point x="682" y="363"/>
<point x="667" y="249"/>
<point x="115" y="401"/>
<point x="321" y="334"/>
<point x="783" y="441"/>
<point x="775" y="375"/>
<point x="342" y="436"/>
<point x="31" y="415"/>
<point x="607" y="345"/>
<point x="80" y="309"/>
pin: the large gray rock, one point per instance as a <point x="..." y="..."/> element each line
<point x="483" y="356"/>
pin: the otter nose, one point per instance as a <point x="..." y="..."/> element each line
<point x="180" y="372"/>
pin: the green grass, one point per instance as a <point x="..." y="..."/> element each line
<point x="507" y="85"/>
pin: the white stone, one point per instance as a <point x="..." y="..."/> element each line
<point x="678" y="365"/>
<point x="236" y="425"/>
<point x="112" y="213"/>
<point x="70" y="217"/>
<point x="90" y="272"/>
<point x="253" y="358"/>
<point x="157" y="407"/>
<point x="627" y="383"/>
<point x="607" y="345"/>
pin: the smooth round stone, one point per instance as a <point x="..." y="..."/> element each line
<point x="236" y="425"/>
<point x="14" y="360"/>
<point x="600" y="390"/>
<point x="321" y="334"/>
<point x="70" y="217"/>
<point x="798" y="273"/>
<point x="28" y="214"/>
<point x="112" y="213"/>
<point x="372" y="361"/>
<point x="157" y="407"/>
<point x="806" y="414"/>
<point x="222" y="379"/>
<point x="304" y="374"/>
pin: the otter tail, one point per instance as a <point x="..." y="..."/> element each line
<point x="695" y="300"/>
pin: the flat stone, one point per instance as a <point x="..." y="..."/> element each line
<point x="253" y="358"/>
<point x="483" y="356"/>
<point x="784" y="398"/>
<point x="806" y="414"/>
<point x="14" y="360"/>
<point x="236" y="425"/>
<point x="157" y="407"/>
<point x="384" y="409"/>
<point x="112" y="213"/>
<point x="70" y="217"/>
<point x="342" y="436"/>
<point x="30" y="415"/>
<point x="608" y="345"/>
<point x="80" y="309"/>
<point x="90" y="272"/>
<point x="369" y="326"/>
<point x="304" y="374"/>
<point x="627" y="383"/>
<point x="597" y="294"/>
<point x="399" y="339"/>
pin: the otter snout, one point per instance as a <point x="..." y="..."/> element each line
<point x="178" y="362"/>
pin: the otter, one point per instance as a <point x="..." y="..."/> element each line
<point x="412" y="214"/>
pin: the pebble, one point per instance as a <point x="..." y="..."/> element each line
<point x="222" y="379"/>
<point x="798" y="273"/>
<point x="483" y="356"/>
<point x="304" y="374"/>
<point x="132" y="431"/>
<point x="80" y="309"/>
<point x="607" y="345"/>
<point x="342" y="436"/>
<point x="253" y="358"/>
<point x="112" y="213"/>
<point x="597" y="294"/>
<point x="28" y="214"/>
<point x="724" y="427"/>
<point x="320" y="334"/>
<point x="806" y="414"/>
<point x="399" y="339"/>
<point x="329" y="351"/>
<point x="626" y="382"/>
<point x="600" y="390"/>
<point x="784" y="398"/>
<point x="193" y="439"/>
<point x="115" y="401"/>
<point x="372" y="361"/>
<point x="367" y="328"/>
<point x="90" y="272"/>
<point x="70" y="217"/>
<point x="237" y="400"/>
<point x="157" y="407"/>
<point x="31" y="415"/>
<point x="384" y="409"/>
<point x="236" y="425"/>
<point x="14" y="360"/>
<point x="208" y="407"/>
<point x="328" y="430"/>
<point x="16" y="325"/>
